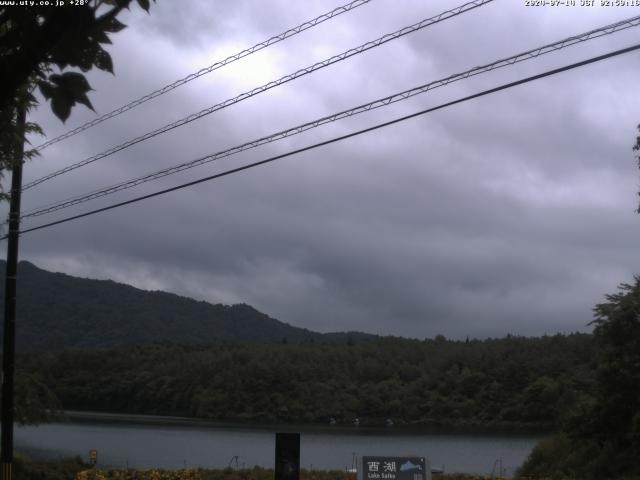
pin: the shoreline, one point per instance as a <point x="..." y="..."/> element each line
<point x="79" y="416"/>
<point x="146" y="441"/>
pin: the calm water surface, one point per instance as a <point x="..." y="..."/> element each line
<point x="174" y="446"/>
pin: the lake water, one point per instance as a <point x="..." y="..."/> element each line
<point x="139" y="444"/>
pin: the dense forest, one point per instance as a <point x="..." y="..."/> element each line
<point x="514" y="381"/>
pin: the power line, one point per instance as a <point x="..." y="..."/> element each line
<point x="275" y="83"/>
<point x="605" y="30"/>
<point x="230" y="59"/>
<point x="340" y="138"/>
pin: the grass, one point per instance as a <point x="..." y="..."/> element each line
<point x="76" y="469"/>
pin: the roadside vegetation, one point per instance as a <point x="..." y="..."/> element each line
<point x="62" y="469"/>
<point x="600" y="439"/>
<point x="74" y="469"/>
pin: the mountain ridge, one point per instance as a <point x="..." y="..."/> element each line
<point x="56" y="311"/>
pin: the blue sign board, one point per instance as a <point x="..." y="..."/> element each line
<point x="394" y="468"/>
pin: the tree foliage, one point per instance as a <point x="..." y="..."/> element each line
<point x="636" y="148"/>
<point x="510" y="382"/>
<point x="44" y="47"/>
<point x="12" y="136"/>
<point x="602" y="438"/>
<point x="34" y="40"/>
<point x="34" y="401"/>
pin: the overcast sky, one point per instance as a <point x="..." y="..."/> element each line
<point x="513" y="213"/>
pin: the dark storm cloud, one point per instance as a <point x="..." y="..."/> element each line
<point x="508" y="214"/>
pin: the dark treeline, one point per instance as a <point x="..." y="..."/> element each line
<point x="512" y="381"/>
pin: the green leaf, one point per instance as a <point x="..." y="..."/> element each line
<point x="83" y="99"/>
<point x="88" y="56"/>
<point x="65" y="91"/>
<point x="31" y="127"/>
<point x="61" y="64"/>
<point x="103" y="61"/>
<point x="72" y="82"/>
<point x="113" y="25"/>
<point x="61" y="107"/>
<point x="29" y="154"/>
<point x="47" y="89"/>
<point x="144" y="4"/>
<point x="101" y="37"/>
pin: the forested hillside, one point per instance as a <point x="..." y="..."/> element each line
<point x="57" y="311"/>
<point x="172" y="355"/>
<point x="507" y="382"/>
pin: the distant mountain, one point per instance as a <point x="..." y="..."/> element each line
<point x="57" y="311"/>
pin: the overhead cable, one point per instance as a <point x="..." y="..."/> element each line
<point x="275" y="83"/>
<point x="230" y="59"/>
<point x="337" y="139"/>
<point x="396" y="97"/>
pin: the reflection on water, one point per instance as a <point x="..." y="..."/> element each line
<point x="177" y="446"/>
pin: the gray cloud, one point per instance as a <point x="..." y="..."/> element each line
<point x="507" y="214"/>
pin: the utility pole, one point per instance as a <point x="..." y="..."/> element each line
<point x="9" y="341"/>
